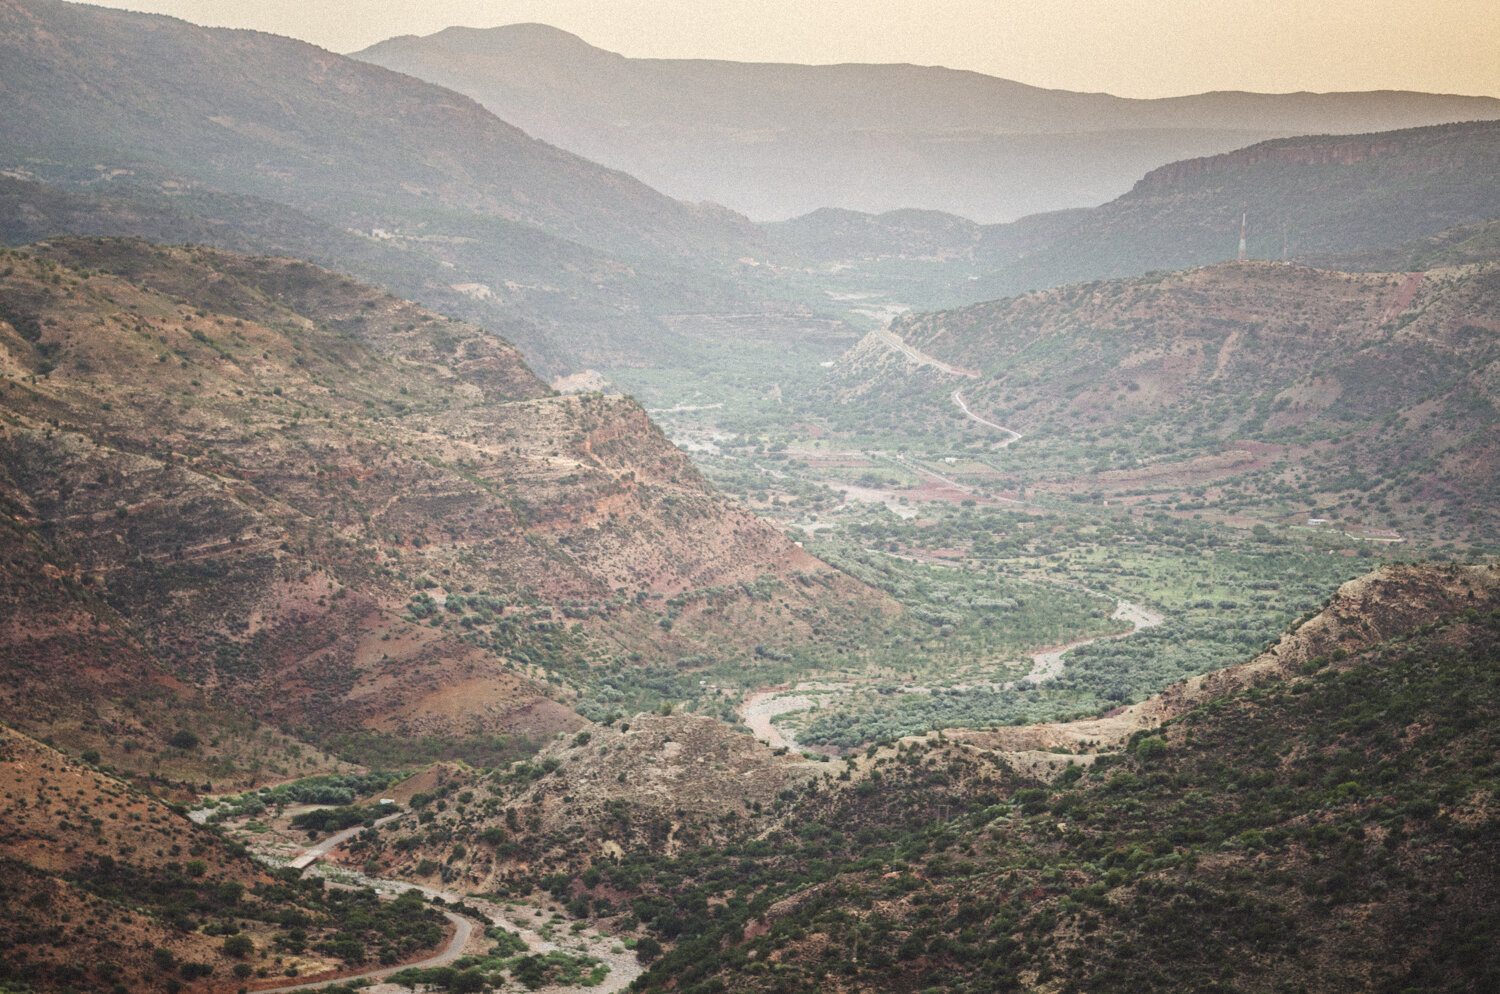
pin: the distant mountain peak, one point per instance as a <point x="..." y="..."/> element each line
<point x="509" y="39"/>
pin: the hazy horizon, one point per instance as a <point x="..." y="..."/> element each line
<point x="1133" y="49"/>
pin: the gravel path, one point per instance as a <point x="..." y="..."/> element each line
<point x="761" y="709"/>
<point x="922" y="358"/>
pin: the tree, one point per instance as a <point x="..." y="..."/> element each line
<point x="238" y="945"/>
<point x="470" y="981"/>
<point x="1148" y="751"/>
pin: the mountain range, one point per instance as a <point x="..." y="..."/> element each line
<point x="124" y="124"/>
<point x="1340" y="201"/>
<point x="295" y="539"/>
<point x="1259" y="828"/>
<point x="1363" y="397"/>
<point x="256" y="142"/>
<point x="776" y="141"/>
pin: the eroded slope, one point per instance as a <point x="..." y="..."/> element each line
<point x="341" y="512"/>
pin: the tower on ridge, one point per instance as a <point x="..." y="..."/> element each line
<point x="1244" y="212"/>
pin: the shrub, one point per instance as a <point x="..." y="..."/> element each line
<point x="1148" y="751"/>
<point x="238" y="945"/>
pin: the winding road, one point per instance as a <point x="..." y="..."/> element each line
<point x="761" y="708"/>
<point x="1015" y="436"/>
<point x="623" y="967"/>
<point x="1048" y="664"/>
<point x="463" y="929"/>
<point x="921" y="358"/>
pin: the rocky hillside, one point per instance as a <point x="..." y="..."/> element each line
<point x="1464" y="245"/>
<point x="1363" y="396"/>
<point x="674" y="784"/>
<point x="776" y="141"/>
<point x="1322" y="816"/>
<point x="1361" y="614"/>
<point x="108" y="888"/>
<point x="337" y="512"/>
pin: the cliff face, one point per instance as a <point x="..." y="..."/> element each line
<point x="329" y="508"/>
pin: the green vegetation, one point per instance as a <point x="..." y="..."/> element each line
<point x="352" y="925"/>
<point x="339" y="818"/>
<point x="986" y="583"/>
<point x="1280" y="836"/>
<point x="337" y="789"/>
<point x="508" y="956"/>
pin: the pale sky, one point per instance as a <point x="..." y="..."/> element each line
<point x="1134" y="48"/>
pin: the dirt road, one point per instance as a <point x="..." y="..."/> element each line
<point x="623" y="967"/>
<point x="1015" y="436"/>
<point x="922" y="358"/>
<point x="761" y="709"/>
<point x="763" y="706"/>
<point x="1048" y="664"/>
<point x="463" y="930"/>
<point x="313" y="853"/>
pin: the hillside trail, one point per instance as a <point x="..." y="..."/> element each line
<point x="1015" y="436"/>
<point x="921" y="358"/>
<point x="623" y="966"/>
<point x="762" y="707"/>
<point x="463" y="930"/>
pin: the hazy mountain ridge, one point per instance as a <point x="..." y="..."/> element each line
<point x="255" y="514"/>
<point x="836" y="234"/>
<point x="257" y="143"/>
<point x="280" y="118"/>
<point x="776" y="141"/>
<point x="1327" y="198"/>
<point x="1461" y="246"/>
